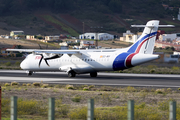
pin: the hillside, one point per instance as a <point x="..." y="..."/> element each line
<point x="52" y="17"/>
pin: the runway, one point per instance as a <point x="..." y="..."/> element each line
<point x="111" y="79"/>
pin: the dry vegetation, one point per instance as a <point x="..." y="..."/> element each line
<point x="71" y="101"/>
<point x="25" y="44"/>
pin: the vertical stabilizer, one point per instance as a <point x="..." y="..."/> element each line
<point x="145" y="43"/>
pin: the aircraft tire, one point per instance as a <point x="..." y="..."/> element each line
<point x="94" y="74"/>
<point x="71" y="74"/>
<point x="29" y="73"/>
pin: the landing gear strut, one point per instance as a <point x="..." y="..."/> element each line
<point x="71" y="74"/>
<point x="93" y="74"/>
<point x="29" y="73"/>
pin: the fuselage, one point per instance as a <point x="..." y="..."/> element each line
<point x="81" y="63"/>
<point x="86" y="61"/>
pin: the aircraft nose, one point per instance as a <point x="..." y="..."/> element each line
<point x="24" y="64"/>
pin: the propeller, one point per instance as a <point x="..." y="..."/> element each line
<point x="50" y="58"/>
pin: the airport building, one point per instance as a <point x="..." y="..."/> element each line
<point x="130" y="37"/>
<point x="98" y="36"/>
<point x="15" y="33"/>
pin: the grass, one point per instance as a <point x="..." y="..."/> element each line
<point x="49" y="44"/>
<point x="76" y="98"/>
<point x="157" y="106"/>
<point x="10" y="64"/>
<point x="151" y="69"/>
<point x="51" y="19"/>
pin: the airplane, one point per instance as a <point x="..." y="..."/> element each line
<point x="94" y="60"/>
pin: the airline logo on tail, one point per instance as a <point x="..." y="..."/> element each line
<point x="137" y="46"/>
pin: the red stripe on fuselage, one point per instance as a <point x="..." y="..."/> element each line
<point x="139" y="47"/>
<point x="128" y="60"/>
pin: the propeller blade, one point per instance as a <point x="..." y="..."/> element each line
<point x="53" y="57"/>
<point x="46" y="62"/>
<point x="41" y="59"/>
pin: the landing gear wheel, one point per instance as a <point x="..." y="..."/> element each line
<point x="29" y="73"/>
<point x="93" y="74"/>
<point x="71" y="74"/>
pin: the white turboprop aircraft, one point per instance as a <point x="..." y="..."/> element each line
<point x="92" y="61"/>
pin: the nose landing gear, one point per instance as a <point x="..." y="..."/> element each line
<point x="71" y="74"/>
<point x="29" y="73"/>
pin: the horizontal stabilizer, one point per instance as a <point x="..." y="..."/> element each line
<point x="142" y="58"/>
<point x="151" y="26"/>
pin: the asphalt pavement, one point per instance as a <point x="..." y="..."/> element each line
<point x="112" y="79"/>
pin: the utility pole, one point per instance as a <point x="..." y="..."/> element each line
<point x="83" y="30"/>
<point x="96" y="30"/>
<point x="13" y="107"/>
<point x="130" y="110"/>
<point x="172" y="110"/>
<point x="90" y="112"/>
<point x="0" y="103"/>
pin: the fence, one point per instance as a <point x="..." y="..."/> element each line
<point x="90" y="111"/>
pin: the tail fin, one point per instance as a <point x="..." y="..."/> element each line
<point x="145" y="43"/>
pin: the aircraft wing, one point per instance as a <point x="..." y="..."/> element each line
<point x="45" y="51"/>
<point x="38" y="51"/>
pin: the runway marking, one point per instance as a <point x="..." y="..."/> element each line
<point x="101" y="73"/>
<point x="35" y="79"/>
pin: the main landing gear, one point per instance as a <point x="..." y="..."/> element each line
<point x="71" y="74"/>
<point x="93" y="74"/>
<point x="29" y="73"/>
